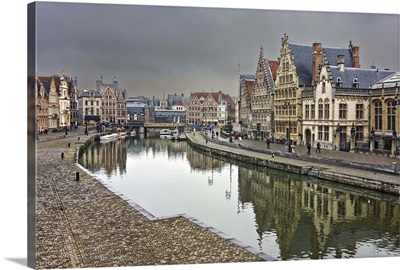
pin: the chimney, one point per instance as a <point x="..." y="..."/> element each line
<point x="356" y="57"/>
<point x="340" y="62"/>
<point x="317" y="60"/>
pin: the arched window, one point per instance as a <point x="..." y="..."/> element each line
<point x="390" y="115"/>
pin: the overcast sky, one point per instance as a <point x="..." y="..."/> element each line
<point x="157" y="50"/>
<point x="14" y="68"/>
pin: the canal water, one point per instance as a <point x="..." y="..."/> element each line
<point x="287" y="216"/>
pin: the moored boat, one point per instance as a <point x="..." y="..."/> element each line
<point x="166" y="133"/>
<point x="108" y="137"/>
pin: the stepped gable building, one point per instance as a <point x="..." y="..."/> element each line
<point x="113" y="108"/>
<point x="42" y="103"/>
<point x="244" y="104"/>
<point x="262" y="117"/>
<point x="336" y="111"/>
<point x="120" y="108"/>
<point x="58" y="92"/>
<point x="108" y="105"/>
<point x="101" y="86"/>
<point x="297" y="72"/>
<point x="203" y="109"/>
<point x="64" y="99"/>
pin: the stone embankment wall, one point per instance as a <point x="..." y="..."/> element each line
<point x="314" y="171"/>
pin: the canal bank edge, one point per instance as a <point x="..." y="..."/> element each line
<point x="89" y="140"/>
<point x="306" y="168"/>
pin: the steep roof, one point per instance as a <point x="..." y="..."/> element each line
<point x="365" y="77"/>
<point x="249" y="87"/>
<point x="217" y="96"/>
<point x="302" y="55"/>
<point x="271" y="75"/>
<point x="273" y="65"/>
<point x="245" y="77"/>
<point x="46" y="80"/>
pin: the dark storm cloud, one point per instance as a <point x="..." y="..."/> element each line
<point x="160" y="49"/>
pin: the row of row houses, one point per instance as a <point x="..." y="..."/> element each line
<point x="61" y="106"/>
<point x="317" y="94"/>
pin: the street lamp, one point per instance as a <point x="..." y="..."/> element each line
<point x="287" y="106"/>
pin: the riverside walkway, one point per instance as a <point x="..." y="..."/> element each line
<point x="364" y="170"/>
<point x="80" y="222"/>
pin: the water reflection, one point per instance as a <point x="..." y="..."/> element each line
<point x="285" y="215"/>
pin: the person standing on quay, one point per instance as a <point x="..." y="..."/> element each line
<point x="268" y="143"/>
<point x="308" y="148"/>
<point x="318" y="148"/>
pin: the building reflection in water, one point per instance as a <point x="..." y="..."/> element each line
<point x="304" y="217"/>
<point x="110" y="157"/>
<point x="315" y="219"/>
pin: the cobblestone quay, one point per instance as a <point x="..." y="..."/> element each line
<point x="82" y="223"/>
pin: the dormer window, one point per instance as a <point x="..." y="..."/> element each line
<point x="356" y="83"/>
<point x="339" y="82"/>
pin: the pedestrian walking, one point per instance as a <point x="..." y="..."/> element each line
<point x="308" y="148"/>
<point x="268" y="143"/>
<point x="318" y="148"/>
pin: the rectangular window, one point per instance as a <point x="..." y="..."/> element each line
<point x="312" y="111"/>
<point x="378" y="116"/>
<point x="326" y="108"/>
<point x="359" y="133"/>
<point x="307" y="111"/>
<point x="359" y="111"/>
<point x="342" y="111"/>
<point x="326" y="133"/>
<point x="320" y="133"/>
<point x="320" y="111"/>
